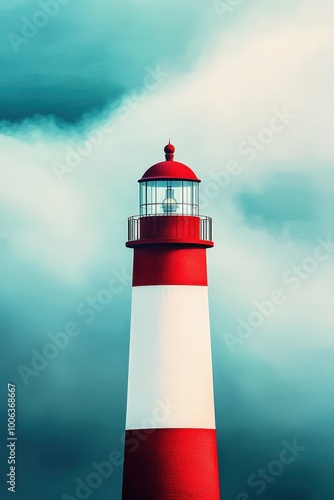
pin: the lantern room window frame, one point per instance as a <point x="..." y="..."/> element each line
<point x="152" y="194"/>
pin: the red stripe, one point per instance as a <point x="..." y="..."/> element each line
<point x="169" y="265"/>
<point x="170" y="464"/>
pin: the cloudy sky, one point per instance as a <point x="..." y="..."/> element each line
<point x="90" y="92"/>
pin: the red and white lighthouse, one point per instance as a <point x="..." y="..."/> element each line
<point x="170" y="438"/>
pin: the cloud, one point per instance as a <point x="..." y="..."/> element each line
<point x="67" y="58"/>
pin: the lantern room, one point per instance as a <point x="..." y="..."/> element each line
<point x="169" y="197"/>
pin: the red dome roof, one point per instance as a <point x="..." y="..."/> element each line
<point x="169" y="169"/>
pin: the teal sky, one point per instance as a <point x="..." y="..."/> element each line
<point x="87" y="104"/>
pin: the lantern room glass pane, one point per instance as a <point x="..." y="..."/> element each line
<point x="187" y="197"/>
<point x="150" y="197"/>
<point x="142" y="195"/>
<point x="196" y="195"/>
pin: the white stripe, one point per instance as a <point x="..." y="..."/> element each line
<point x="170" y="369"/>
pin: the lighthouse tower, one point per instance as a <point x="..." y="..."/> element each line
<point x="170" y="438"/>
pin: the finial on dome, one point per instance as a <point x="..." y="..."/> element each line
<point x="169" y="151"/>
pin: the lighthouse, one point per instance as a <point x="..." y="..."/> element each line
<point x="170" y="449"/>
